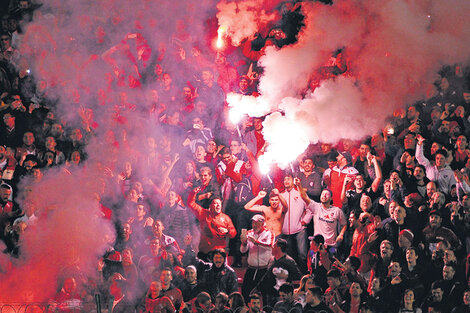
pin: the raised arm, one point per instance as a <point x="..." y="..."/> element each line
<point x="378" y="172"/>
<point x="250" y="206"/>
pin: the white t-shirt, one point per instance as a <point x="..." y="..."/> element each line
<point x="326" y="222"/>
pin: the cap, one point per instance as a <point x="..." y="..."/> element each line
<point x="258" y="218"/>
<point x="347" y="156"/>
<point x="407" y="234"/>
<point x="435" y="212"/>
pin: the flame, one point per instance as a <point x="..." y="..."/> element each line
<point x="220" y="41"/>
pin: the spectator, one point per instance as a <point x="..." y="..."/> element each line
<point x="314" y="303"/>
<point x="287" y="302"/>
<point x="274" y="213"/>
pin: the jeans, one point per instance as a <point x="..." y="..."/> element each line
<point x="297" y="248"/>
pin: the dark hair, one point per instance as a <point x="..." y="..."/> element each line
<point x="223" y="297"/>
<point x="282" y="244"/>
<point x="238" y="300"/>
<point x="355" y="262"/>
<point x="319" y="239"/>
<point x="334" y="273"/>
<point x="286" y="288"/>
<point x="442" y="152"/>
<point x="225" y="150"/>
<point x="218" y="251"/>
<point x="253" y="296"/>
<point x="316" y="292"/>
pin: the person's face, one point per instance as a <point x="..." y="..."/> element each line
<point x="187" y="94"/>
<point x="3" y="152"/>
<point x="133" y="196"/>
<point x="155" y="288"/>
<point x="411" y="256"/>
<point x="257" y="226"/>
<point x="56" y="129"/>
<point x="418" y="173"/>
<point x="434" y="221"/>
<point x="308" y="165"/>
<point x="140" y="210"/>
<point x="385" y="250"/>
<point x="366" y="203"/>
<point x="173" y="119"/>
<point x="235" y="147"/>
<point x="309" y="298"/>
<point x="200" y="153"/>
<point x="440" y="160"/>
<point x="430" y="189"/>
<point x="197" y="123"/>
<point x="158" y="229"/>
<point x="207" y="77"/>
<point x="449" y="256"/>
<point x="5" y="194"/>
<point x="166" y="277"/>
<point x="359" y="182"/>
<point x="211" y="146"/>
<point x="353" y="222"/>
<point x="191" y="275"/>
<point x="172" y="198"/>
<point x="466" y="298"/>
<point x="309" y="283"/>
<point x="363" y="150"/>
<point x="355" y="290"/>
<point x="75" y="157"/>
<point x="409" y="296"/>
<point x="387" y="187"/>
<point x="155" y="247"/>
<point x="70" y="285"/>
<point x="332" y="282"/>
<point x="158" y="69"/>
<point x="9" y="120"/>
<point x="274" y="202"/>
<point x="216" y="206"/>
<point x="166" y="80"/>
<point x="5" y="42"/>
<point x="255" y="305"/>
<point x="226" y="158"/>
<point x="325" y="197"/>
<point x="409" y="141"/>
<point x="138" y="187"/>
<point x="437" y="294"/>
<point x="126" y="229"/>
<point x="76" y="134"/>
<point x="399" y="214"/>
<point x="341" y="160"/>
<point x="375" y="284"/>
<point x="28" y="165"/>
<point x="331" y="164"/>
<point x="218" y="260"/>
<point x="394" y="269"/>
<point x="189" y="168"/>
<point x="444" y="84"/>
<point x="288" y="182"/>
<point x="411" y="113"/>
<point x="50" y="143"/>
<point x="448" y="272"/>
<point x="205" y="177"/>
<point x="403" y="242"/>
<point x="243" y="84"/>
<point x="461" y="142"/>
<point x="258" y="124"/>
<point x="466" y="97"/>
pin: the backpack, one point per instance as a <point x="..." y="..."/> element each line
<point x="243" y="191"/>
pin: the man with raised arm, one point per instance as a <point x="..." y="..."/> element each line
<point x="274" y="213"/>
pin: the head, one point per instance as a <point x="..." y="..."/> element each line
<point x="394" y="269"/>
<point x="5" y="192"/>
<point x="437" y="291"/>
<point x="218" y="258"/>
<point x="154" y="289"/>
<point x="158" y="228"/>
<point x="288" y="181"/>
<point x="326" y="197"/>
<point x="405" y="239"/>
<point x="221" y="300"/>
<point x="355" y="290"/>
<point x="440" y="158"/>
<point x="190" y="274"/>
<point x="399" y="215"/>
<point x="286" y="292"/>
<point x="254" y="303"/>
<point x="9" y="120"/>
<point x="448" y="271"/>
<point x="274" y="200"/>
<point x="313" y="295"/>
<point x="435" y="219"/>
<point x="280" y="247"/>
<point x="409" y="296"/>
<point x="411" y="255"/>
<point x="205" y="173"/>
<point x="235" y="146"/>
<point x="166" y="277"/>
<point x="258" y="222"/>
<point x="154" y="247"/>
<point x="216" y="205"/>
<point x="359" y="182"/>
<point x="333" y="278"/>
<point x="386" y="249"/>
<point x="365" y="203"/>
<point x="431" y="188"/>
<point x="308" y="165"/>
<point x="207" y="77"/>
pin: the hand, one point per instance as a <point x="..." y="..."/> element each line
<point x="339" y="239"/>
<point x="404" y="156"/>
<point x="396" y="280"/>
<point x="276" y="191"/>
<point x="347" y="180"/>
<point x="176" y="157"/>
<point x="373" y="237"/>
<point x="262" y="194"/>
<point x="251" y="239"/>
<point x="223" y="230"/>
<point x="420" y="139"/>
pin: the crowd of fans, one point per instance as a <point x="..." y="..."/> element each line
<point x="381" y="225"/>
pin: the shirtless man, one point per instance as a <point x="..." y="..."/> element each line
<point x="274" y="213"/>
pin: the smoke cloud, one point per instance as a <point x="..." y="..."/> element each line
<point x="393" y="50"/>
